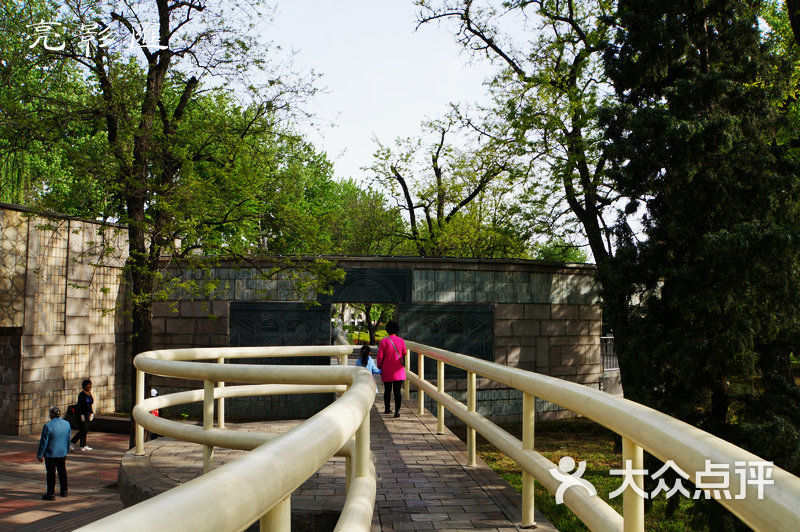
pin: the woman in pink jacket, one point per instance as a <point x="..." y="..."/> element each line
<point x="391" y="358"/>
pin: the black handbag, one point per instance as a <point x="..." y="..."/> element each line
<point x="73" y="416"/>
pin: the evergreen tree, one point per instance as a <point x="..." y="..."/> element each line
<point x="713" y="290"/>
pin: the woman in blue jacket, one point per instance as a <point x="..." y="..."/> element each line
<point x="53" y="449"/>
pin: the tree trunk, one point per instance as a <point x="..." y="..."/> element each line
<point x="141" y="293"/>
<point x="368" y="321"/>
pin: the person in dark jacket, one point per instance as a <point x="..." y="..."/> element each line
<point x="53" y="448"/>
<point x="85" y="413"/>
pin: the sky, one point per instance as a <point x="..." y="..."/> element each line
<point x="382" y="78"/>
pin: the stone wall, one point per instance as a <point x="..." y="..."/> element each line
<point x="546" y="318"/>
<point x="561" y="340"/>
<point x="61" y="314"/>
<point x="60" y="287"/>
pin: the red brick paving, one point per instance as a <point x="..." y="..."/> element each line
<point x="92" y="484"/>
<point x="422" y="483"/>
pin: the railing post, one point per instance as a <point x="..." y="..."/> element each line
<point x="421" y="374"/>
<point x="471" y="399"/>
<point x="440" y="388"/>
<point x="528" y="420"/>
<point x="139" y="399"/>
<point x="208" y="424"/>
<point x="279" y="518"/>
<point x="407" y="384"/>
<point x="362" y="449"/>
<point x="632" y="502"/>
<point x="342" y="360"/>
<point x="348" y="473"/>
<point x="221" y="402"/>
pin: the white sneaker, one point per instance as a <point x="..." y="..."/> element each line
<point x="71" y="446"/>
<point x="86" y="448"/>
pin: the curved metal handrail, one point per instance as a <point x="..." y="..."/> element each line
<point x="641" y="427"/>
<point x="257" y="485"/>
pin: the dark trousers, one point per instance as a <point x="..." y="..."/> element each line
<point x="387" y="395"/>
<point x="52" y="465"/>
<point x="82" y="432"/>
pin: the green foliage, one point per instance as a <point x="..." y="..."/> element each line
<point x="544" y="107"/>
<point x="560" y="251"/>
<point x="30" y="156"/>
<point x="458" y="195"/>
<point x="714" y="287"/>
<point x="363" y="223"/>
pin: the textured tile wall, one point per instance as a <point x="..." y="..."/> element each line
<point x="13" y="258"/>
<point x="72" y="320"/>
<point x="471" y="286"/>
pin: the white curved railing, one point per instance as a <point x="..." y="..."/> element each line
<point x="640" y="427"/>
<point x="257" y="486"/>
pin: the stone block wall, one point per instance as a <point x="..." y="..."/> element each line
<point x="61" y="318"/>
<point x="191" y="324"/>
<point x="546" y="318"/>
<point x="68" y="314"/>
<point x="183" y="324"/>
<point x="561" y="340"/>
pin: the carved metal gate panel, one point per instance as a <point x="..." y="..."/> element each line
<point x="362" y="285"/>
<point x="267" y="324"/>
<point x="260" y="323"/>
<point x="467" y="329"/>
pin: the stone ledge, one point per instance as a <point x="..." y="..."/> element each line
<point x="138" y="479"/>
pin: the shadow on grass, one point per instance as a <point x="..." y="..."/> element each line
<point x="583" y="440"/>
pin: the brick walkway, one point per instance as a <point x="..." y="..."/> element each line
<point x="422" y="484"/>
<point x="92" y="484"/>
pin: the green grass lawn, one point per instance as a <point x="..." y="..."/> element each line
<point x="581" y="439"/>
<point x="361" y="337"/>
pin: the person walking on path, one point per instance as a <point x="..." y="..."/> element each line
<point x="85" y="413"/>
<point x="365" y="361"/>
<point x="53" y="448"/>
<point x="391" y="358"/>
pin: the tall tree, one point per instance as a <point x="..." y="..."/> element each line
<point x="143" y="66"/>
<point x="364" y="223"/>
<point x="458" y="201"/>
<point x="695" y="140"/>
<point x="547" y="97"/>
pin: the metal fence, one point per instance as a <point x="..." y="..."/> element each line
<point x="610" y="361"/>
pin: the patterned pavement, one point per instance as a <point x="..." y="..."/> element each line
<point x="422" y="482"/>
<point x="92" y="484"/>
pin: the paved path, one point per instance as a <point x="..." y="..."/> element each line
<point x="92" y="484"/>
<point x="422" y="484"/>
